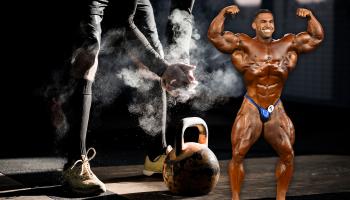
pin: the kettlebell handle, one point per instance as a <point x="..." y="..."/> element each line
<point x="192" y="122"/>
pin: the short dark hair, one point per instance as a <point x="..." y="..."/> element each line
<point x="262" y="11"/>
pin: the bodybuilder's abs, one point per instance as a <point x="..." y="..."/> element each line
<point x="265" y="70"/>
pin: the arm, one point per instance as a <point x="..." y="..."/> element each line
<point x="137" y="44"/>
<point x="224" y="41"/>
<point x="144" y="19"/>
<point x="309" y="40"/>
<point x="173" y="75"/>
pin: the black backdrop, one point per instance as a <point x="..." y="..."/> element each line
<point x="38" y="42"/>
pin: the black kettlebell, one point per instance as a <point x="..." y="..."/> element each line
<point x="191" y="168"/>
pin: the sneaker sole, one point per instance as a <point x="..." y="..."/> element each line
<point x="86" y="192"/>
<point x="90" y="191"/>
<point x="149" y="173"/>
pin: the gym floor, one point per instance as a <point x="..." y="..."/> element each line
<point x="322" y="162"/>
<point x="316" y="177"/>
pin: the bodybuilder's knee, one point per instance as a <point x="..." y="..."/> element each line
<point x="237" y="156"/>
<point x="288" y="157"/>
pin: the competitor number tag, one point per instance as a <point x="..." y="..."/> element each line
<point x="270" y="108"/>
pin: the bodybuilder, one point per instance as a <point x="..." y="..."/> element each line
<point x="264" y="64"/>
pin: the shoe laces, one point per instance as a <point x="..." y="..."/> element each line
<point x="85" y="162"/>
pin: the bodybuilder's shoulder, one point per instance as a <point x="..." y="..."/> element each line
<point x="244" y="39"/>
<point x="288" y="37"/>
<point x="243" y="36"/>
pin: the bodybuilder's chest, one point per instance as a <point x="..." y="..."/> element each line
<point x="270" y="61"/>
<point x="266" y="53"/>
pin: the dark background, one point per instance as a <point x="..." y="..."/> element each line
<point x="317" y="95"/>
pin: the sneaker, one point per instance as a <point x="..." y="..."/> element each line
<point x="155" y="166"/>
<point x="80" y="179"/>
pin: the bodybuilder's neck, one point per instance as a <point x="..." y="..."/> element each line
<point x="264" y="40"/>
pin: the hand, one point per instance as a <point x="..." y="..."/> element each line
<point x="178" y="76"/>
<point x="303" y="12"/>
<point x="231" y="10"/>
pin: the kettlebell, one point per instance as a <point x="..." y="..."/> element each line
<point x="191" y="168"/>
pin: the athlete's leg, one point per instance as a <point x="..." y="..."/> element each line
<point x="77" y="173"/>
<point x="84" y="66"/>
<point x="245" y="131"/>
<point x="279" y="132"/>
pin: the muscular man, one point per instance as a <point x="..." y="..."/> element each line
<point x="264" y="64"/>
<point x="77" y="173"/>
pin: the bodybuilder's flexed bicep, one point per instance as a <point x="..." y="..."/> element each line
<point x="309" y="40"/>
<point x="224" y="41"/>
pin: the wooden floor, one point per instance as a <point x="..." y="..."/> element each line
<point x="315" y="177"/>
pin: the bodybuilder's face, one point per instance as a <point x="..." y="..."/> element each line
<point x="264" y="25"/>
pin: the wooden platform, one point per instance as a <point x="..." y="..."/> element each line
<point x="315" y="177"/>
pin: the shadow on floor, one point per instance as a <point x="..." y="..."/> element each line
<point x="166" y="195"/>
<point x="328" y="196"/>
<point x="136" y="178"/>
<point x="57" y="192"/>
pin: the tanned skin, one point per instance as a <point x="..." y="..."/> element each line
<point x="265" y="64"/>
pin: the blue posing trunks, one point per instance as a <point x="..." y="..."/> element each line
<point x="264" y="113"/>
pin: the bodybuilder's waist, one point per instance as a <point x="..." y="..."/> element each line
<point x="264" y="99"/>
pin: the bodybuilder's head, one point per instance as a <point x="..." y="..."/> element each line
<point x="263" y="24"/>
